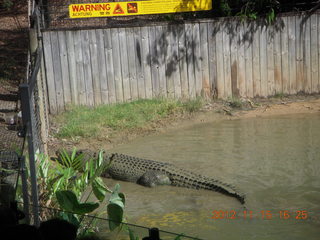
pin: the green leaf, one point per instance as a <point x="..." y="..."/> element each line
<point x="115" y="208"/>
<point x="115" y="214"/>
<point x="84" y="208"/>
<point x="123" y="198"/>
<point x="71" y="218"/>
<point x="132" y="235"/>
<point x="116" y="197"/>
<point x="68" y="201"/>
<point x="99" y="189"/>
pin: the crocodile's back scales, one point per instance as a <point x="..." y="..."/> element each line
<point x="133" y="169"/>
<point x="128" y="168"/>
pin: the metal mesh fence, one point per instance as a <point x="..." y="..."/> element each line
<point x="8" y="176"/>
<point x="100" y="226"/>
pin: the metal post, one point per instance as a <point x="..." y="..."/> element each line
<point x="153" y="234"/>
<point x="24" y="189"/>
<point x="26" y="107"/>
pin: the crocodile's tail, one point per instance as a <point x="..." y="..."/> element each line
<point x="191" y="180"/>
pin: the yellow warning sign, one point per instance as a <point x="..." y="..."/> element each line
<point x="112" y="9"/>
<point x="118" y="10"/>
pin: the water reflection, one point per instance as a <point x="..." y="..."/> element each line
<point x="275" y="161"/>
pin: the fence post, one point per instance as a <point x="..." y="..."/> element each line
<point x="26" y="106"/>
<point x="153" y="234"/>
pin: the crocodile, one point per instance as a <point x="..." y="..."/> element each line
<point x="151" y="173"/>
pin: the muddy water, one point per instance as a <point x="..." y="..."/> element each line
<point x="274" y="161"/>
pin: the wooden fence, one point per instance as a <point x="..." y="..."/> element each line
<point x="213" y="58"/>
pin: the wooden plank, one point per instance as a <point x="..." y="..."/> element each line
<point x="176" y="32"/>
<point x="72" y="68"/>
<point x="220" y="62"/>
<point x="263" y="60"/>
<point x="233" y="27"/>
<point x="95" y="67"/>
<point x="102" y="67"/>
<point x="117" y="64"/>
<point x="299" y="53"/>
<point x="204" y="58"/>
<point x="292" y="55"/>
<point x="314" y="53"/>
<point x="169" y="60"/>
<point x="160" y="36"/>
<point x="307" y="54"/>
<point x="139" y="67"/>
<point x="197" y="58"/>
<point x="248" y="61"/>
<point x="182" y="56"/>
<point x="285" y="57"/>
<point x="64" y="67"/>
<point x="79" y="68"/>
<point x="87" y="72"/>
<point x="277" y="58"/>
<point x="256" y="73"/>
<point x="154" y="61"/>
<point x="270" y="60"/>
<point x="109" y="64"/>
<point x="212" y="59"/>
<point x="57" y="70"/>
<point x="226" y="59"/>
<point x="146" y="61"/>
<point x="124" y="64"/>
<point x="318" y="52"/>
<point x="132" y="64"/>
<point x="49" y="72"/>
<point x="241" y="62"/>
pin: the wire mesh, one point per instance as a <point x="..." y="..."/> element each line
<point x="100" y="225"/>
<point x="8" y="176"/>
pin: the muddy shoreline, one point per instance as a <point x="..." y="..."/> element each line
<point x="212" y="111"/>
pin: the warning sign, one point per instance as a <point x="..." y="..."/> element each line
<point x="111" y="9"/>
<point x="118" y="10"/>
<point x="132" y="7"/>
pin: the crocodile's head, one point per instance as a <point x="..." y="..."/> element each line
<point x="153" y="178"/>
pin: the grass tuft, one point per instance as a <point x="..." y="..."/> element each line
<point x="235" y="102"/>
<point x="91" y="122"/>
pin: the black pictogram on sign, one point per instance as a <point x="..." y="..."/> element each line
<point x="118" y="10"/>
<point x="132" y="7"/>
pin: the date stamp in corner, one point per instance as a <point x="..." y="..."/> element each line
<point x="263" y="214"/>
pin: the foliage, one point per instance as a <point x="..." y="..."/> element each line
<point x="6" y="4"/>
<point x="253" y="8"/>
<point x="61" y="185"/>
<point x="235" y="102"/>
<point x="193" y="105"/>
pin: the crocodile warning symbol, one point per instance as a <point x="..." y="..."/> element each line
<point x="132" y="7"/>
<point x="118" y="10"/>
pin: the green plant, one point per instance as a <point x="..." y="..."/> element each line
<point x="235" y="102"/>
<point x="193" y="105"/>
<point x="251" y="9"/>
<point x="279" y="95"/>
<point x="7" y="4"/>
<point x="80" y="121"/>
<point x="66" y="184"/>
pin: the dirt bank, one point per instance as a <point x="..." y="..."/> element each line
<point x="212" y="111"/>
